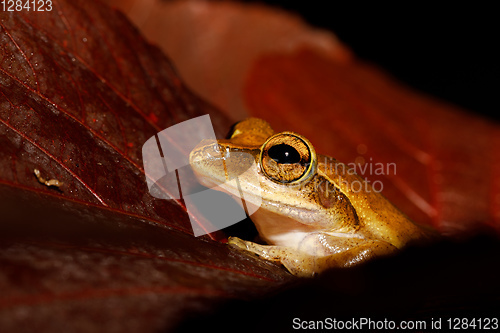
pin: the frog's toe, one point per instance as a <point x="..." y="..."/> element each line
<point x="237" y="242"/>
<point x="241" y="244"/>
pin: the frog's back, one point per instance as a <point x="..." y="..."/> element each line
<point x="378" y="218"/>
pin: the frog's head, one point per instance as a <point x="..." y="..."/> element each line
<point x="281" y="173"/>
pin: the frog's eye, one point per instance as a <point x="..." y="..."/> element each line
<point x="287" y="158"/>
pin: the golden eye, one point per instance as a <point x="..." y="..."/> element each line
<point x="287" y="158"/>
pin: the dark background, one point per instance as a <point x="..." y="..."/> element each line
<point x="450" y="52"/>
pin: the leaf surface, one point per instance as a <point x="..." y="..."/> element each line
<point x="80" y="93"/>
<point x="437" y="163"/>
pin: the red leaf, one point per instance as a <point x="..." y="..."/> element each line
<point x="80" y="93"/>
<point x="215" y="43"/>
<point x="100" y="254"/>
<point x="437" y="163"/>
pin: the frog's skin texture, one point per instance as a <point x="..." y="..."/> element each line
<point x="309" y="215"/>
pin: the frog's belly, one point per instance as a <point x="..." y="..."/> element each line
<point x="280" y="230"/>
<point x="283" y="231"/>
<point x="290" y="239"/>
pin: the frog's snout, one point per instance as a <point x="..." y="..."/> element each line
<point x="206" y="150"/>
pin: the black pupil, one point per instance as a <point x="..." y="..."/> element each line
<point x="284" y="154"/>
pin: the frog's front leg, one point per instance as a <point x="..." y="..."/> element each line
<point x="297" y="263"/>
<point x="304" y="264"/>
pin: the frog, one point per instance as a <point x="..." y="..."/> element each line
<point x="309" y="217"/>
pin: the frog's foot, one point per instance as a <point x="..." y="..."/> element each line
<point x="307" y="265"/>
<point x="355" y="255"/>
<point x="267" y="252"/>
<point x="296" y="262"/>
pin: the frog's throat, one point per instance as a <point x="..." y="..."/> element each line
<point x="320" y="218"/>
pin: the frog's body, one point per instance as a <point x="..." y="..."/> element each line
<point x="309" y="213"/>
